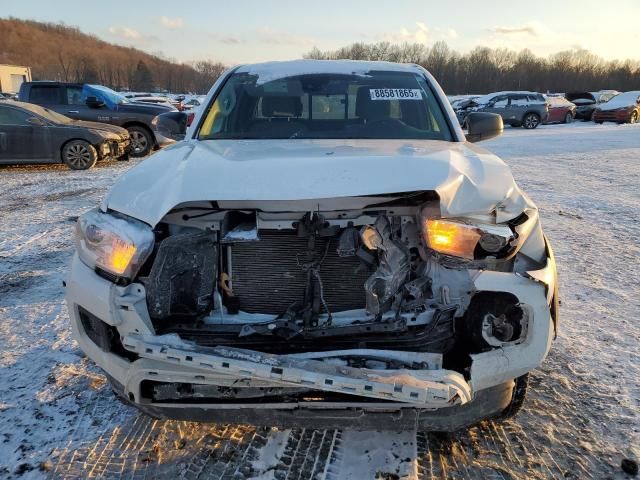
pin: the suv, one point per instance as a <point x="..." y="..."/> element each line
<point x="518" y="109"/>
<point x="324" y="248"/>
<point x="99" y="104"/>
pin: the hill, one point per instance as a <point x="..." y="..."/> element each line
<point x="60" y="52"/>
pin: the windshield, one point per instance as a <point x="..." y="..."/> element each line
<point x="108" y="96"/>
<point x="378" y="105"/>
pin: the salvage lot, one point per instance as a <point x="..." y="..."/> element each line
<point x="58" y="417"/>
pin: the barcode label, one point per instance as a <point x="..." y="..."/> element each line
<point x="395" y="94"/>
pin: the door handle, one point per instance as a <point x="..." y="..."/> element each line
<point x="3" y="141"/>
<point x="73" y="111"/>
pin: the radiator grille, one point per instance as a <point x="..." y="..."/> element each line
<point x="267" y="278"/>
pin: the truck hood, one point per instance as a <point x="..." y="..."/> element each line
<point x="468" y="179"/>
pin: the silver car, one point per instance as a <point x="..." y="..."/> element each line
<point x="518" y="109"/>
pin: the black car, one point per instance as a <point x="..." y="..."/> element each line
<point x="587" y="102"/>
<point x="33" y="134"/>
<point x="99" y="104"/>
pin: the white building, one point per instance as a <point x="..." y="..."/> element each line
<point x="12" y="76"/>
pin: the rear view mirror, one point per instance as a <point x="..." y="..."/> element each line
<point x="483" y="126"/>
<point x="94" y="102"/>
<point x="172" y="125"/>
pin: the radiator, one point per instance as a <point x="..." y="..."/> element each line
<point x="267" y="278"/>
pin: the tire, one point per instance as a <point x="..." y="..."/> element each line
<point x="531" y="121"/>
<point x="634" y="117"/>
<point x="568" y="118"/>
<point x="141" y="141"/>
<point x="79" y="155"/>
<point x="519" y="395"/>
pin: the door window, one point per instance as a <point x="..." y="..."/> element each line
<point x="74" y="96"/>
<point x="10" y="116"/>
<point x="45" y="95"/>
<point x="500" y="102"/>
<point x="519" y="100"/>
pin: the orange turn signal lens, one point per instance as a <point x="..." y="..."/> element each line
<point x="451" y="238"/>
<point x="121" y="255"/>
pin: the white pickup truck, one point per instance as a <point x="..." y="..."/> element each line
<point x="324" y="248"/>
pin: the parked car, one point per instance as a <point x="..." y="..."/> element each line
<point x="325" y="248"/>
<point x="32" y="134"/>
<point x="518" y="109"/>
<point x="561" y="110"/>
<point x="623" y="108"/>
<point x="100" y="104"/>
<point x="587" y="102"/>
<point x="156" y="101"/>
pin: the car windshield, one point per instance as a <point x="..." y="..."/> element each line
<point x="376" y="105"/>
<point x="108" y="96"/>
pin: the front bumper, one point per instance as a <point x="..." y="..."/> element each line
<point x="118" y="149"/>
<point x="436" y="398"/>
<point x="623" y="116"/>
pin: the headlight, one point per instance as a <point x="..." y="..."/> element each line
<point x="113" y="242"/>
<point x="466" y="239"/>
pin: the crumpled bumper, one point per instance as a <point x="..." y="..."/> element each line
<point x="435" y="398"/>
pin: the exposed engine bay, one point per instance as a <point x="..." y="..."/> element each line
<point x="292" y="281"/>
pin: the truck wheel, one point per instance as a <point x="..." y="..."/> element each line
<point x="530" y="121"/>
<point x="79" y="155"/>
<point x="517" y="400"/>
<point x="141" y="141"/>
<point x="568" y="118"/>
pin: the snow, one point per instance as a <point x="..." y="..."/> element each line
<point x="484" y="99"/>
<point x="59" y="418"/>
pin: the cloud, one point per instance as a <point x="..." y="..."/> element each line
<point x="275" y="37"/>
<point x="524" y="29"/>
<point x="418" y="35"/>
<point x="451" y="33"/>
<point x="227" y="39"/>
<point x="125" y="33"/>
<point x="172" y="23"/>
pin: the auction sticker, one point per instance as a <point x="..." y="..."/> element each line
<point x="395" y="94"/>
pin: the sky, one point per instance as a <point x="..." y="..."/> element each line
<point x="251" y="31"/>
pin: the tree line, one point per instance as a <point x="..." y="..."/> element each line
<point x="63" y="53"/>
<point x="484" y="70"/>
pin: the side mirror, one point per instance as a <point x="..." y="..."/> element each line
<point x="483" y="126"/>
<point x="94" y="102"/>
<point x="172" y="125"/>
<point x="35" y="121"/>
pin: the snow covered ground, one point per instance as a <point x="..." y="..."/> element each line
<point x="59" y="419"/>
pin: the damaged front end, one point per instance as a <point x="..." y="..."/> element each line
<point x="356" y="304"/>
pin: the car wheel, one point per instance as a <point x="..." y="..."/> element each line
<point x="568" y="118"/>
<point x="79" y="155"/>
<point x="531" y="121"/>
<point x="141" y="141"/>
<point x="517" y="399"/>
<point x="634" y="117"/>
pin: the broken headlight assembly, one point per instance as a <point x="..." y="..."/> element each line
<point x="467" y="239"/>
<point x="114" y="243"/>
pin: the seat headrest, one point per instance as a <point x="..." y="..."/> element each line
<point x="368" y="109"/>
<point x="281" y="106"/>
